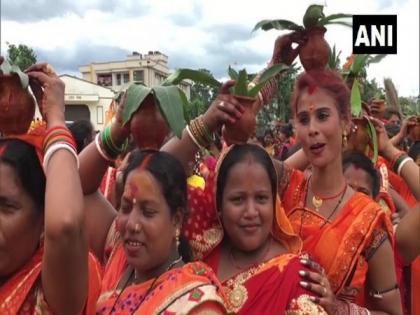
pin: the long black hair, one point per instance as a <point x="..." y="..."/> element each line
<point x="23" y="159"/>
<point x="172" y="178"/>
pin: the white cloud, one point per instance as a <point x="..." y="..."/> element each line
<point x="210" y="33"/>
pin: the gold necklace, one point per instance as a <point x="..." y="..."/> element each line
<point x="317" y="201"/>
<point x="235" y="289"/>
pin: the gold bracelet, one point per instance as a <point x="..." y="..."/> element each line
<point x="199" y="133"/>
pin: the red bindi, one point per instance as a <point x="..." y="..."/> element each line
<point x="311" y="89"/>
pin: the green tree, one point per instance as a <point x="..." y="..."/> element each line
<point x="372" y="89"/>
<point x="279" y="108"/>
<point x="410" y="105"/>
<point x="21" y="55"/>
<point x="201" y="98"/>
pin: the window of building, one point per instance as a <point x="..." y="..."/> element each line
<point x="118" y="78"/>
<point x="138" y="75"/>
<point x="126" y="77"/>
<point x="159" y="78"/>
<point x="104" y="79"/>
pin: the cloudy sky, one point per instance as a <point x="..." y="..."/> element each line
<point x="208" y="34"/>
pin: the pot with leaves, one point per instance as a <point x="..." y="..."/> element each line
<point x="244" y="90"/>
<point x="314" y="52"/>
<point x="152" y="112"/>
<point x="354" y="70"/>
<point x="17" y="105"/>
<point x="363" y="137"/>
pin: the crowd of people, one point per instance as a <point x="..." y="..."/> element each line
<point x="300" y="221"/>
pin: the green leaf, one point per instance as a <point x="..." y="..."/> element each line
<point x="8" y="69"/>
<point x="312" y="15"/>
<point x="270" y="72"/>
<point x="356" y="99"/>
<point x="171" y="105"/>
<point x="334" y="58"/>
<point x="233" y="74"/>
<point x="329" y="18"/>
<point x="278" y="25"/>
<point x="136" y="94"/>
<point x="194" y="75"/>
<point x="265" y="76"/>
<point x="358" y="64"/>
<point x="374" y="137"/>
<point x="241" y="84"/>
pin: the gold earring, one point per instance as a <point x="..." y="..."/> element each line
<point x="177" y="238"/>
<point x="345" y="139"/>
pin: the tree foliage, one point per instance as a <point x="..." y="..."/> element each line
<point x="21" y="55"/>
<point x="410" y="105"/>
<point x="371" y="89"/>
<point x="201" y="98"/>
<point x="279" y="108"/>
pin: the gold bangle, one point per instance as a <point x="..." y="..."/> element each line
<point x="198" y="133"/>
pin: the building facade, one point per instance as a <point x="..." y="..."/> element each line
<point x="151" y="69"/>
<point x="86" y="100"/>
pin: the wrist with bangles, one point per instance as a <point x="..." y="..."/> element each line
<point x="398" y="161"/>
<point x="107" y="147"/>
<point x="58" y="138"/>
<point x="199" y="132"/>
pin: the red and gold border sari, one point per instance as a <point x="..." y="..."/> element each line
<point x="22" y="294"/>
<point x="271" y="287"/>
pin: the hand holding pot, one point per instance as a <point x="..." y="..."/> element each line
<point x="283" y="51"/>
<point x="385" y="146"/>
<point x="224" y="109"/>
<point x="49" y="92"/>
<point x="119" y="131"/>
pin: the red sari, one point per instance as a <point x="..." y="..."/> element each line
<point x="22" y="294"/>
<point x="343" y="246"/>
<point x="271" y="287"/>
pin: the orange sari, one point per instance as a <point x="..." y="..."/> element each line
<point x="396" y="181"/>
<point x="22" y="294"/>
<point x="178" y="291"/>
<point x="342" y="245"/>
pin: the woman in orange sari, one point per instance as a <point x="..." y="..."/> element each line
<point x="345" y="231"/>
<point x="248" y="240"/>
<point x="45" y="267"/>
<point x="147" y="269"/>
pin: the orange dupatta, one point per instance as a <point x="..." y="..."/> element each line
<point x="17" y="291"/>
